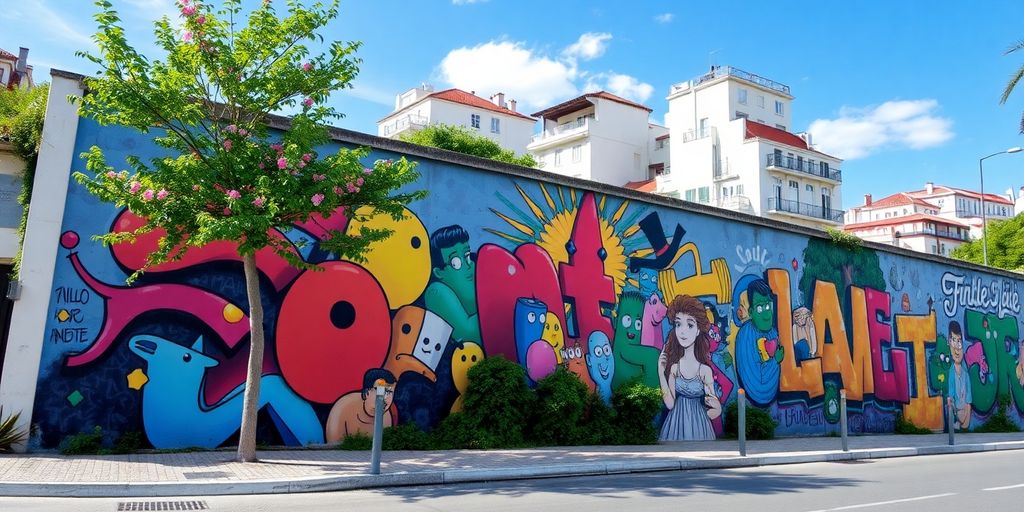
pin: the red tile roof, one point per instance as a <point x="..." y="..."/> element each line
<point x="465" y="98"/>
<point x="643" y="186"/>
<point x="898" y="199"/>
<point x="6" y="55"/>
<point x="903" y="220"/>
<point x="662" y="137"/>
<point x="938" y="190"/>
<point x="581" y="102"/>
<point x="763" y="131"/>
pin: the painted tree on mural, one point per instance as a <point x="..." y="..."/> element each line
<point x="1005" y="245"/>
<point x="227" y="176"/>
<point x="841" y="266"/>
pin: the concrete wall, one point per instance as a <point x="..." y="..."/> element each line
<point x="497" y="262"/>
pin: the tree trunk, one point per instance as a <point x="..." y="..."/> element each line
<point x="247" y="435"/>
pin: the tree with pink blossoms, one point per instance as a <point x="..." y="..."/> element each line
<point x="228" y="175"/>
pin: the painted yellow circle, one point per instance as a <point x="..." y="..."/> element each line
<point x="400" y="263"/>
<point x="232" y="314"/>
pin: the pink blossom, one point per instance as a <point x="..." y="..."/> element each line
<point x="307" y="66"/>
<point x="227" y="211"/>
<point x="301" y="164"/>
<point x="161" y="195"/>
<point x="187" y="37"/>
<point x="276" y="147"/>
<point x="317" y="199"/>
<point x="367" y="170"/>
<point x="319" y="177"/>
<point x="111" y="174"/>
<point x="359" y="182"/>
<point x="352" y="188"/>
<point x="308" y="102"/>
<point x="338" y="191"/>
<point x="243" y="132"/>
<point x="196" y="188"/>
<point x="188" y="10"/>
<point x="234" y="194"/>
<point x="201" y="19"/>
<point x="307" y="157"/>
<point x="134" y="187"/>
<point x="259" y="202"/>
<point x="282" y="163"/>
<point x="231" y="128"/>
<point x="122" y="175"/>
<point x="148" y="195"/>
<point x="261" y="165"/>
<point x="228" y="144"/>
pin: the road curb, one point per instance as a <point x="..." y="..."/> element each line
<point x="401" y="479"/>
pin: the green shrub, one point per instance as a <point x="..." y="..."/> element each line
<point x="405" y="437"/>
<point x="560" y="408"/>
<point x="599" y="426"/>
<point x="635" y="405"/>
<point x="356" y="441"/>
<point x="908" y="427"/>
<point x="1000" y="421"/>
<point x="84" y="443"/>
<point x="760" y="424"/>
<point x="10" y="434"/>
<point x="128" y="442"/>
<point x="459" y="431"/>
<point x="498" y="402"/>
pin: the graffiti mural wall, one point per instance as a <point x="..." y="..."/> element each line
<point x="541" y="273"/>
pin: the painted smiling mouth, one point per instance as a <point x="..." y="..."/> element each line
<point x="603" y="370"/>
<point x="630" y="335"/>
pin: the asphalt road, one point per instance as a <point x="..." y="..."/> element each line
<point x="967" y="482"/>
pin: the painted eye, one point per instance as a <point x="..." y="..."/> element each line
<point x="643" y="276"/>
<point x="542" y="317"/>
<point x="988" y="334"/>
<point x="637" y="324"/>
<point x="187" y="357"/>
<point x="627" y="321"/>
<point x="579" y="352"/>
<point x="455" y="262"/>
<point x="759" y="308"/>
<point x="654" y="278"/>
<point x="469" y="258"/>
<point x="463" y="358"/>
<point x="426" y="341"/>
<point x="473" y="359"/>
<point x="558" y="327"/>
<point x="531" y="317"/>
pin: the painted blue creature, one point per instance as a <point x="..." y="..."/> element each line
<point x="175" y="414"/>
<point x="528" y="322"/>
<point x="601" y="364"/>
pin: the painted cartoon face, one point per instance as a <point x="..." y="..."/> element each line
<point x="433" y="340"/>
<point x="629" y="319"/>
<point x="370" y="399"/>
<point x="463" y="358"/>
<point x="599" y="359"/>
<point x="406" y="249"/>
<point x="554" y="335"/>
<point x="171" y="359"/>
<point x="956" y="347"/>
<point x="418" y="340"/>
<point x="686" y="329"/>
<point x="529" y="319"/>
<point x="458" y="270"/>
<point x="761" y="312"/>
<point x="575" y="363"/>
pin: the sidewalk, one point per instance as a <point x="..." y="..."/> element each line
<point x="215" y="473"/>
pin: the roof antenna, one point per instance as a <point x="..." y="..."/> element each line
<point x="711" y="58"/>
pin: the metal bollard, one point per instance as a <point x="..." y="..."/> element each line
<point x="378" y="427"/>
<point x="843" y="427"/>
<point x="742" y="427"/>
<point x="950" y="415"/>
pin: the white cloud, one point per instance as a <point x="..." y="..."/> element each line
<point x="58" y="29"/>
<point x="664" y="18"/>
<point x="369" y="93"/>
<point x="509" y="67"/>
<point x="588" y="47"/>
<point x="859" y="132"/>
<point x="620" y="85"/>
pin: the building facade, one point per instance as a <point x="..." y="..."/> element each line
<point x="732" y="147"/>
<point x="601" y="137"/>
<point x="495" y="119"/>
<point x="14" y="69"/>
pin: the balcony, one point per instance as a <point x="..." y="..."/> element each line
<point x="952" y="235"/>
<point x="409" y="122"/>
<point x="786" y="206"/>
<point x="736" y="203"/>
<point x="561" y="133"/>
<point x="792" y="164"/>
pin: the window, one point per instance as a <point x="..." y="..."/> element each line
<point x="702" y="130"/>
<point x="691" y="195"/>
<point x="739" y="190"/>
<point x="743" y="96"/>
<point x="779" y="110"/>
<point x="474" y="120"/>
<point x="558" y="157"/>
<point x="794" y="184"/>
<point x="659" y="144"/>
<point x="760" y="100"/>
<point x="940" y="202"/>
<point x="704" y="194"/>
<point x="809" y="188"/>
<point x="577" y="153"/>
<point x="741" y="115"/>
<point x="781" y="127"/>
<point x="495" y="125"/>
<point x="2" y="74"/>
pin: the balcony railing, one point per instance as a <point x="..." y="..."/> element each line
<point x="805" y="209"/>
<point x="737" y="202"/>
<point x="937" y="232"/>
<point x="804" y="166"/>
<point x="563" y="129"/>
<point x="721" y="71"/>
<point x="403" y="123"/>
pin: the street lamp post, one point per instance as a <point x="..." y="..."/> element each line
<point x="984" y="217"/>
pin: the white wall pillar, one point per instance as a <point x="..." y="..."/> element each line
<point x="39" y="255"/>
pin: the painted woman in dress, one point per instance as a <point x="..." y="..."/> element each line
<point x="687" y="385"/>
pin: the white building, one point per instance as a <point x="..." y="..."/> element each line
<point x="909" y="222"/>
<point x="14" y="69"/>
<point x="496" y="119"/>
<point x="731" y="147"/>
<point x="601" y="137"/>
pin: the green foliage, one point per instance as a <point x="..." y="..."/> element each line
<point x="1015" y="78"/>
<point x="999" y="421"/>
<point x="405" y="437"/>
<point x="903" y="426"/>
<point x="460" y="430"/>
<point x="1005" y="245"/>
<point x="355" y="442"/>
<point x="823" y="260"/>
<point x="128" y="442"/>
<point x="760" y="424"/>
<point x="841" y="238"/>
<point x="464" y="140"/>
<point x="208" y="102"/>
<point x="635" y="405"/>
<point x="498" y="401"/>
<point x="10" y="433"/>
<point x="561" y="405"/>
<point x="83" y="443"/>
<point x="600" y="426"/>
<point x="21" y="123"/>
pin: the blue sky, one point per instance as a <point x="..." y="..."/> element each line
<point x="906" y="91"/>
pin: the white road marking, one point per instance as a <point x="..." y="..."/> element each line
<point x="1003" y="488"/>
<point x="879" y="503"/>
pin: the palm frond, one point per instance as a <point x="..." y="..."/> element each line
<point x="10" y="434"/>
<point x="1014" y="80"/>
